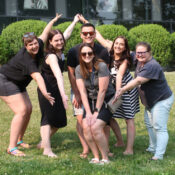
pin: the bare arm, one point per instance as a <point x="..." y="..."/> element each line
<point x="41" y="84"/>
<point x="71" y="73"/>
<point x="120" y="74"/>
<point x="67" y="33"/>
<point x="53" y="63"/>
<point x="47" y="29"/>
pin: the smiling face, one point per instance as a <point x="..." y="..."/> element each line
<point x="32" y="47"/>
<point x="87" y="54"/>
<point x="142" y="54"/>
<point x="119" y="46"/>
<point x="57" y="42"/>
<point x="88" y="34"/>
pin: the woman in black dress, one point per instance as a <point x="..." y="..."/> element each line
<point x="54" y="117"/>
<point x="14" y="78"/>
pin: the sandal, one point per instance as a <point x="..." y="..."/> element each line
<point x="15" y="152"/>
<point x="22" y="144"/>
<point x="84" y="155"/>
<point x="104" y="161"/>
<point x="94" y="161"/>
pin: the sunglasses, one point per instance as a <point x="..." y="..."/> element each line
<point x="83" y="54"/>
<point x="28" y="34"/>
<point x="86" y="33"/>
<point x="141" y="53"/>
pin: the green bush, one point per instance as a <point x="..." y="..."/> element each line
<point x="75" y="36"/>
<point x="159" y="39"/>
<point x="173" y="46"/>
<point x="111" y="31"/>
<point x="11" y="37"/>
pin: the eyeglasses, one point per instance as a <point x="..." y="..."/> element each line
<point x="86" y="33"/>
<point x="28" y="34"/>
<point x="141" y="53"/>
<point x="83" y="54"/>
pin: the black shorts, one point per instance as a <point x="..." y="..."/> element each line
<point x="104" y="113"/>
<point x="8" y="88"/>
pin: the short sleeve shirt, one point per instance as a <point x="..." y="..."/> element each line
<point x="91" y="83"/>
<point x="156" y="89"/>
<point x="19" y="68"/>
<point x="73" y="57"/>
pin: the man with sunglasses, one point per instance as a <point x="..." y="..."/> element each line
<point x="88" y="36"/>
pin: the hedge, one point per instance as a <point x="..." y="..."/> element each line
<point x="159" y="39"/>
<point x="11" y="37"/>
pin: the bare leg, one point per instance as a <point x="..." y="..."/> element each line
<point x="130" y="136"/>
<point x="100" y="139"/>
<point x="45" y="135"/>
<point x="81" y="135"/>
<point x="116" y="129"/>
<point x="90" y="140"/>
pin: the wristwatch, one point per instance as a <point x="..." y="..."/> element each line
<point x="96" y="110"/>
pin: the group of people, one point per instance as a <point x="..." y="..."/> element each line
<point x="97" y="73"/>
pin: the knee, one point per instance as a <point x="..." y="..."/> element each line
<point x="96" y="131"/>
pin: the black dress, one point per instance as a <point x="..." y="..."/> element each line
<point x="53" y="115"/>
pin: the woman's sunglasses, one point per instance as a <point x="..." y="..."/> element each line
<point x="28" y="34"/>
<point x="83" y="54"/>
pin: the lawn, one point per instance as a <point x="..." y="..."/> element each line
<point x="66" y="145"/>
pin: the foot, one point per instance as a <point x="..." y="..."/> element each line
<point x="40" y="146"/>
<point x="94" y="161"/>
<point x="84" y="155"/>
<point x="23" y="145"/>
<point x="104" y="162"/>
<point x="15" y="152"/>
<point x="118" y="145"/>
<point x="50" y="154"/>
<point x="128" y="153"/>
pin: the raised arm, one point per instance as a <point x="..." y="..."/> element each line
<point x="47" y="29"/>
<point x="67" y="33"/>
<point x="40" y="82"/>
<point x="53" y="63"/>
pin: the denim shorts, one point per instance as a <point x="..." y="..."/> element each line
<point x="8" y="87"/>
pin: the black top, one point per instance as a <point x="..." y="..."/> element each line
<point x="73" y="57"/>
<point x="91" y="83"/>
<point x="19" y="68"/>
<point x="156" y="89"/>
<point x="48" y="71"/>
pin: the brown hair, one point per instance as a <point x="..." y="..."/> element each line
<point x="83" y="66"/>
<point x="87" y="25"/>
<point x="125" y="53"/>
<point x="144" y="44"/>
<point x="28" y="37"/>
<point x="49" y="48"/>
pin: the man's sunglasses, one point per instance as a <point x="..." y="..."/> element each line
<point x="83" y="54"/>
<point x="86" y="33"/>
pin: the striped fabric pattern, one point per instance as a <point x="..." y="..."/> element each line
<point x="130" y="105"/>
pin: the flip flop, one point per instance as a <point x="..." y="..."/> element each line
<point x="22" y="144"/>
<point x="84" y="155"/>
<point x="15" y="152"/>
<point x="94" y="161"/>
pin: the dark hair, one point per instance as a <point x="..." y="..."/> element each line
<point x="49" y="48"/>
<point x="147" y="45"/>
<point x="83" y="67"/>
<point x="28" y="37"/>
<point x="87" y="25"/>
<point x="125" y="54"/>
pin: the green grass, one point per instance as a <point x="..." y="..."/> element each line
<point x="66" y="145"/>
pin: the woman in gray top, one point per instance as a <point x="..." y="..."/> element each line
<point x="155" y="95"/>
<point x="92" y="78"/>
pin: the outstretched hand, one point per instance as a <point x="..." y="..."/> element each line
<point x="76" y="18"/>
<point x="57" y="17"/>
<point x="82" y="19"/>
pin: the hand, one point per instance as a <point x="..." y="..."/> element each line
<point x="77" y="101"/>
<point x="65" y="101"/>
<point x="76" y="18"/>
<point x="118" y="94"/>
<point x="88" y="118"/>
<point x="56" y="17"/>
<point x="82" y="19"/>
<point x="50" y="98"/>
<point x="94" y="118"/>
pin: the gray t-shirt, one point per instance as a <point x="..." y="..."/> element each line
<point x="157" y="88"/>
<point x="91" y="83"/>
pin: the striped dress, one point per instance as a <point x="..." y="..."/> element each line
<point x="130" y="105"/>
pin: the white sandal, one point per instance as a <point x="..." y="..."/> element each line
<point x="104" y="161"/>
<point x="94" y="161"/>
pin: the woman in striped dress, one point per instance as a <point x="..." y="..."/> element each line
<point x="120" y="76"/>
